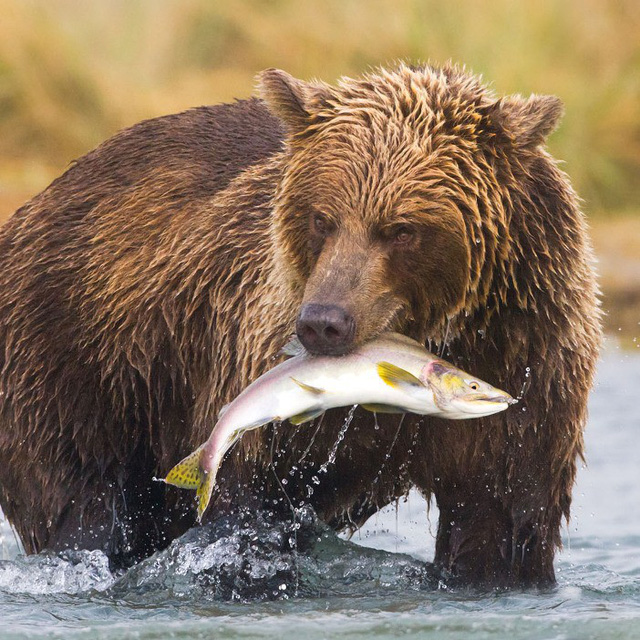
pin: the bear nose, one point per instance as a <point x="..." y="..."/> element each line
<point x="325" y="329"/>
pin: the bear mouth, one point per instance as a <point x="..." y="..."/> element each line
<point x="398" y="321"/>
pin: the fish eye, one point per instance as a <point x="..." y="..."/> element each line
<point x="474" y="385"/>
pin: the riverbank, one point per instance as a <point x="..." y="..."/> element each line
<point x="616" y="241"/>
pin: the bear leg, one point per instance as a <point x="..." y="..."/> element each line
<point x="485" y="544"/>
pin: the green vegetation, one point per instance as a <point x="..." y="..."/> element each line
<point x="73" y="72"/>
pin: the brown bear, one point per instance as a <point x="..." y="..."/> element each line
<point x="164" y="271"/>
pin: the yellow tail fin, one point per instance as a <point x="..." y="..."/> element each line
<point x="204" y="492"/>
<point x="187" y="474"/>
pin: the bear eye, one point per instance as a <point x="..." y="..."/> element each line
<point x="403" y="234"/>
<point x="322" y="225"/>
<point x="474" y="385"/>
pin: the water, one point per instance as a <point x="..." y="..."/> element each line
<point x="376" y="585"/>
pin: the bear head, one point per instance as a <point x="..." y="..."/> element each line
<point x="393" y="207"/>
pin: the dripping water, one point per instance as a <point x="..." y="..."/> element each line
<point x="446" y="337"/>
<point x="313" y="439"/>
<point x="341" y="434"/>
<point x="525" y="385"/>
<point x="294" y="513"/>
<point x="389" y="450"/>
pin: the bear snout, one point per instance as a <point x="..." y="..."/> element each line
<point x="325" y="329"/>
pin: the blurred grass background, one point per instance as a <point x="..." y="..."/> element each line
<point x="72" y="72"/>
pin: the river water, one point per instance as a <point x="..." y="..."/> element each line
<point x="376" y="585"/>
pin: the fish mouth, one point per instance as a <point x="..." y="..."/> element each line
<point x="496" y="400"/>
<point x="482" y="405"/>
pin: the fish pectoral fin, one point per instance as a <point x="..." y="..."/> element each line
<point x="307" y="387"/>
<point x="293" y="347"/>
<point x="306" y="416"/>
<point x="397" y="377"/>
<point x="187" y="474"/>
<point x="383" y="408"/>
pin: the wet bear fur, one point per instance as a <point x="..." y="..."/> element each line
<point x="163" y="271"/>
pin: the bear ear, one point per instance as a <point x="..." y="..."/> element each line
<point x="292" y="100"/>
<point x="527" y="121"/>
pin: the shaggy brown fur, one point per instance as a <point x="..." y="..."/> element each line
<point x="159" y="275"/>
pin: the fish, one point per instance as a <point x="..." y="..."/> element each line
<point x="390" y="374"/>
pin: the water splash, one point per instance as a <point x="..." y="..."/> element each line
<point x="341" y="434"/>
<point x="68" y="572"/>
<point x="294" y="513"/>
<point x="241" y="556"/>
<point x="250" y="556"/>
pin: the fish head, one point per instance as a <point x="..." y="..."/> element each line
<point x="460" y="395"/>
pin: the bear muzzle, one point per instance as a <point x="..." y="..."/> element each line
<point x="325" y="329"/>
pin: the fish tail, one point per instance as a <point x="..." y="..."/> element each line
<point x="187" y="474"/>
<point x="203" y="493"/>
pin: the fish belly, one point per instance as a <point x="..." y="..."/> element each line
<point x="369" y="388"/>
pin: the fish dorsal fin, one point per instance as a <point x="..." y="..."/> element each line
<point x="397" y="377"/>
<point x="383" y="408"/>
<point x="306" y="416"/>
<point x="187" y="474"/>
<point x="293" y="347"/>
<point x="307" y="387"/>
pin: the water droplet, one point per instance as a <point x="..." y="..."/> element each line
<point x="340" y="438"/>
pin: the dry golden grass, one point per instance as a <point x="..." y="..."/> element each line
<point x="73" y="72"/>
